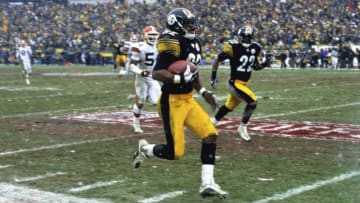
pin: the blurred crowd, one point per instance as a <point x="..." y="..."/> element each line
<point x="84" y="33"/>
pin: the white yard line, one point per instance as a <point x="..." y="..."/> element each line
<point x="56" y="146"/>
<point x="73" y="74"/>
<point x="19" y="194"/>
<point x="161" y="197"/>
<point x="303" y="88"/>
<point x="10" y="193"/>
<point x="29" y="88"/>
<point x="307" y="110"/>
<point x="72" y="143"/>
<point x="305" y="188"/>
<point x="39" y="177"/>
<point x="265" y="92"/>
<point x="61" y="110"/>
<point x="50" y="96"/>
<point x="93" y="186"/>
<point x="60" y="94"/>
<point x="5" y="166"/>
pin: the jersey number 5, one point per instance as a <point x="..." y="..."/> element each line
<point x="149" y="59"/>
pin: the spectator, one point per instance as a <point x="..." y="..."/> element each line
<point x="62" y="25"/>
<point x="292" y="58"/>
<point x="324" y="58"/>
<point x="5" y="56"/>
<point x="334" y="58"/>
<point x="314" y="58"/>
<point x="283" y="57"/>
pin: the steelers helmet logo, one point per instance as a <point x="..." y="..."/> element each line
<point x="171" y="20"/>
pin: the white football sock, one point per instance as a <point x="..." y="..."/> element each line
<point x="149" y="149"/>
<point x="207" y="174"/>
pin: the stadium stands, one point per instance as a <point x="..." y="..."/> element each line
<point x="90" y="29"/>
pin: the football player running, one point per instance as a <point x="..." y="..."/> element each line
<point x="142" y="61"/>
<point x="127" y="50"/>
<point x="176" y="104"/>
<point x="23" y="54"/>
<point x="120" y="56"/>
<point x="244" y="56"/>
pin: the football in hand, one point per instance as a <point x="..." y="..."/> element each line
<point x="179" y="67"/>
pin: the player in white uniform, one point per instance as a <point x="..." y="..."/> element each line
<point x="142" y="61"/>
<point x="23" y="54"/>
<point x="127" y="49"/>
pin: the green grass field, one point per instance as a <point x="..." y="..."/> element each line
<point x="45" y="157"/>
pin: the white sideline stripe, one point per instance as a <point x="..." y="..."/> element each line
<point x="93" y="186"/>
<point x="49" y="96"/>
<point x="308" y="110"/>
<point x="59" y="95"/>
<point x="71" y="144"/>
<point x="39" y="177"/>
<point x="161" y="197"/>
<point x="31" y="88"/>
<point x="61" y="110"/>
<point x="10" y="193"/>
<point x="5" y="166"/>
<point x="304" y="188"/>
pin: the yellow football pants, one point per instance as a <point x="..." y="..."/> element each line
<point x="120" y="60"/>
<point x="179" y="110"/>
<point x="239" y="91"/>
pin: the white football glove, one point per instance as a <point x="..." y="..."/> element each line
<point x="190" y="76"/>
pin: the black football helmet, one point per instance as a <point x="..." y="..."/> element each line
<point x="182" y="21"/>
<point x="245" y="35"/>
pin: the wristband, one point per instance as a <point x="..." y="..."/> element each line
<point x="177" y="79"/>
<point x="202" y="90"/>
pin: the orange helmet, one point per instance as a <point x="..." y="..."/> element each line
<point x="150" y="34"/>
<point x="133" y="37"/>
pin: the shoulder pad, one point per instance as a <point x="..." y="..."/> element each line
<point x="233" y="41"/>
<point x="168" y="43"/>
<point x="140" y="44"/>
<point x="169" y="32"/>
<point x="227" y="48"/>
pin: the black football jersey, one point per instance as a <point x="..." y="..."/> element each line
<point x="118" y="48"/>
<point x="242" y="59"/>
<point x="172" y="47"/>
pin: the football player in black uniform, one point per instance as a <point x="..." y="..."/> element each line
<point x="119" y="55"/>
<point x="176" y="104"/>
<point x="243" y="54"/>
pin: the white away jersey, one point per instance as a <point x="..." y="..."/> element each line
<point x="146" y="54"/>
<point x="23" y="53"/>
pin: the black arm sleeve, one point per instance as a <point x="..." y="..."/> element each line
<point x="222" y="56"/>
<point x="164" y="60"/>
